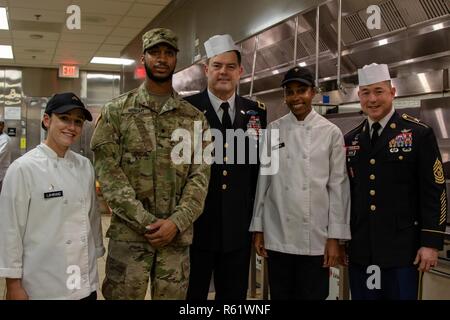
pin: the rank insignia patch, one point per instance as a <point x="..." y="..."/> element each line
<point x="438" y="172"/>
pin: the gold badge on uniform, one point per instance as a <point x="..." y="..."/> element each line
<point x="438" y="172"/>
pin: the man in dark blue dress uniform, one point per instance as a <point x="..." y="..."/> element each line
<point x="399" y="202"/>
<point x="222" y="242"/>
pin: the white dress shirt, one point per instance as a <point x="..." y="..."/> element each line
<point x="50" y="230"/>
<point x="5" y="154"/>
<point x="308" y="200"/>
<point x="216" y="102"/>
<point x="383" y="122"/>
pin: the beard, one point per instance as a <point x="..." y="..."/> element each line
<point x="151" y="76"/>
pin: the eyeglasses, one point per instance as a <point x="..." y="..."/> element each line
<point x="67" y="120"/>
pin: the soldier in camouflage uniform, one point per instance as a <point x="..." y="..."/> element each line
<point x="154" y="201"/>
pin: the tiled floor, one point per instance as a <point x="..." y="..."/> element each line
<point x="101" y="266"/>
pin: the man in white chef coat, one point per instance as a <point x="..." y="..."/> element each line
<point x="302" y="211"/>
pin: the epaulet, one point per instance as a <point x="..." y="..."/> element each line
<point x="361" y="124"/>
<point x="409" y="118"/>
<point x="261" y="105"/>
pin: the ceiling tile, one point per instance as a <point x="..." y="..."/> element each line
<point x="30" y="51"/>
<point x="56" y="5"/>
<point x="134" y="22"/>
<point x="125" y="32"/>
<point x="145" y="11"/>
<point x="26" y="35"/>
<point x="80" y="46"/>
<point x="100" y="19"/>
<point x="29" y="15"/>
<point x="90" y="38"/>
<point x="103" y="6"/>
<point x="110" y="47"/>
<point x="5" y="33"/>
<point x="7" y="61"/>
<point x="118" y="40"/>
<point x="158" y="2"/>
<point x="90" y="29"/>
<point x="107" y="26"/>
<point x="43" y="60"/>
<point x="108" y="54"/>
<point x="34" y="43"/>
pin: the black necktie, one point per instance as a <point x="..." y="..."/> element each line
<point x="375" y="127"/>
<point x="226" y="120"/>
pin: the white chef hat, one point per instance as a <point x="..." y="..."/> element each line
<point x="373" y="73"/>
<point x="219" y="44"/>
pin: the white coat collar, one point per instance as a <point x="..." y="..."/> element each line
<point x="52" y="154"/>
<point x="308" y="119"/>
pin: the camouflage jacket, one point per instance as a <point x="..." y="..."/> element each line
<point x="132" y="148"/>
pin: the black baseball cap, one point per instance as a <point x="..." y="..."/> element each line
<point x="299" y="74"/>
<point x="64" y="102"/>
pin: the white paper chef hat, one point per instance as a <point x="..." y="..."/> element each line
<point x="373" y="73"/>
<point x="219" y="44"/>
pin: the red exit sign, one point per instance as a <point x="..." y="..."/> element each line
<point x="66" y="71"/>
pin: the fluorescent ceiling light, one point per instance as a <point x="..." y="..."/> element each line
<point x="438" y="26"/>
<point x="103" y="76"/>
<point x="3" y="19"/>
<point x="104" y="60"/>
<point x="6" y="52"/>
<point x="383" y="42"/>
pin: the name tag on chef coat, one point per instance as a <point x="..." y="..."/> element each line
<point x="53" y="194"/>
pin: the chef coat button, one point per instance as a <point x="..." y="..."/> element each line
<point x="372" y="177"/>
<point x="400" y="157"/>
<point x="224" y="186"/>
<point x="225" y="145"/>
<point x="225" y="159"/>
<point x="68" y="242"/>
<point x="372" y="192"/>
<point x="372" y="161"/>
<point x="373" y="208"/>
<point x="225" y="173"/>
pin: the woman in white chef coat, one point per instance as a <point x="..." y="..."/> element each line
<point x="302" y="210"/>
<point x="50" y="230"/>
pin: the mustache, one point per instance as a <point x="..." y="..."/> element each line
<point x="158" y="65"/>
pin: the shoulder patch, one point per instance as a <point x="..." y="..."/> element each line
<point x="361" y="124"/>
<point x="261" y="105"/>
<point x="409" y="118"/>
